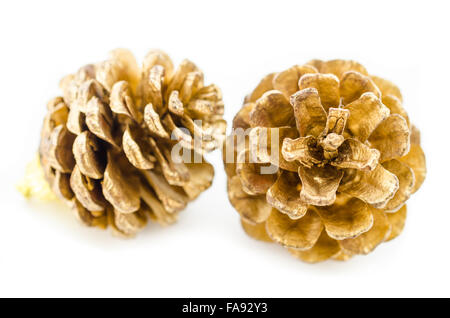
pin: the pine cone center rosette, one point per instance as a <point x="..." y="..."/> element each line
<point x="109" y="144"/>
<point x="346" y="158"/>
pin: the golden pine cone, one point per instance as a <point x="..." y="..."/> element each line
<point x="346" y="160"/>
<point x="106" y="144"/>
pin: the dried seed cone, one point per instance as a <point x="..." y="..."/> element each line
<point x="107" y="142"/>
<point x="345" y="154"/>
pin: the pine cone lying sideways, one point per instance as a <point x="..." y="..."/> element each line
<point x="347" y="155"/>
<point x="106" y="144"/>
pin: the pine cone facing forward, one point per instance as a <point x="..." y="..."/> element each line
<point x="347" y="155"/>
<point x="106" y="143"/>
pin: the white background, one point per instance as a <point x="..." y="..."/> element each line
<point x="44" y="251"/>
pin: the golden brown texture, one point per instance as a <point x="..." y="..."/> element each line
<point x="106" y="143"/>
<point x="346" y="156"/>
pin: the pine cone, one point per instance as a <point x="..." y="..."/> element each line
<point x="106" y="144"/>
<point x="345" y="155"/>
